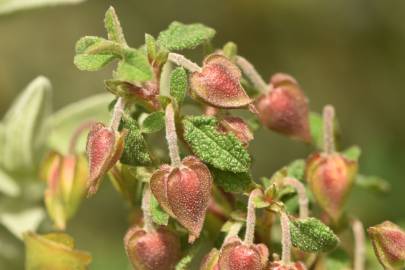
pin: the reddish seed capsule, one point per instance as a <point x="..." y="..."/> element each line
<point x="104" y="149"/>
<point x="238" y="127"/>
<point x="235" y="255"/>
<point x="218" y="83"/>
<point x="330" y="177"/>
<point x="389" y="244"/>
<point x="157" y="250"/>
<point x="278" y="265"/>
<point x="184" y="192"/>
<point x="285" y="108"/>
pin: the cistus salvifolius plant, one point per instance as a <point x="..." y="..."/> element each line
<point x="199" y="206"/>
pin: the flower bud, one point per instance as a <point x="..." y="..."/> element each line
<point x="218" y="83"/>
<point x="330" y="177"/>
<point x="236" y="255"/>
<point x="284" y="109"/>
<point x="279" y="265"/>
<point x="104" y="149"/>
<point x="389" y="244"/>
<point x="238" y="127"/>
<point x="156" y="250"/>
<point x="184" y="192"/>
<point x="66" y="177"/>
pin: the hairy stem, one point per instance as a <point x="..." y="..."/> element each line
<point x="285" y="238"/>
<point x="180" y="60"/>
<point x="328" y="129"/>
<point x="249" y="70"/>
<point x="118" y="111"/>
<point x="76" y="135"/>
<point x="147" y="216"/>
<point x="302" y="195"/>
<point x="359" y="244"/>
<point x="251" y="217"/>
<point x="171" y="136"/>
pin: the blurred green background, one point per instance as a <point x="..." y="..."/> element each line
<point x="347" y="53"/>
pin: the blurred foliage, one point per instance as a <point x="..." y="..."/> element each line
<point x="347" y="53"/>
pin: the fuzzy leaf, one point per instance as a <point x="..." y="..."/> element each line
<point x="113" y="26"/>
<point x="222" y="151"/>
<point x="134" y="67"/>
<point x="135" y="150"/>
<point x="311" y="235"/>
<point x="8" y="6"/>
<point x="150" y="45"/>
<point x="182" y="36"/>
<point x="232" y="182"/>
<point x="19" y="223"/>
<point x="25" y="129"/>
<point x="153" y="122"/>
<point x="93" y="53"/>
<point x="8" y="185"/>
<point x="352" y="153"/>
<point x="159" y="216"/>
<point x="53" y="251"/>
<point x="296" y="169"/>
<point x="70" y="117"/>
<point x="374" y="183"/>
<point x="178" y="84"/>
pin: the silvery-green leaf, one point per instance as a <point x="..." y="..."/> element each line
<point x="25" y="128"/>
<point x="67" y="119"/>
<point x="8" y="186"/>
<point x="19" y="223"/>
<point x="8" y="6"/>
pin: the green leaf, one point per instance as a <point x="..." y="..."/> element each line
<point x="311" y="235"/>
<point x="153" y="122"/>
<point x="134" y="67"/>
<point x="53" y="251"/>
<point x="181" y="36"/>
<point x="338" y="260"/>
<point x="222" y="151"/>
<point x="159" y="216"/>
<point x="150" y="44"/>
<point x="374" y="183"/>
<point x="232" y="182"/>
<point x="113" y="27"/>
<point x="70" y="117"/>
<point x="352" y="153"/>
<point x="19" y="223"/>
<point x="25" y="129"/>
<point x="93" y="53"/>
<point x="8" y="6"/>
<point x="178" y="84"/>
<point x="296" y="169"/>
<point x="135" y="149"/>
<point x="8" y="186"/>
<point x="316" y="128"/>
<point x="230" y="50"/>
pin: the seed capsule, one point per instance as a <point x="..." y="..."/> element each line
<point x="285" y="108"/>
<point x="238" y="127"/>
<point x="66" y="177"/>
<point x="184" y="192"/>
<point x="156" y="250"/>
<point x="218" y="83"/>
<point x="104" y="149"/>
<point x="389" y="244"/>
<point x="330" y="177"/>
<point x="235" y="255"/>
<point x="278" y="265"/>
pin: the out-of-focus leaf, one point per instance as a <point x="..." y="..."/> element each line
<point x="159" y="216"/>
<point x="182" y="36"/>
<point x="25" y="127"/>
<point x="374" y="183"/>
<point x="296" y="169"/>
<point x="53" y="251"/>
<point x="8" y="6"/>
<point x="153" y="122"/>
<point x="316" y="127"/>
<point x="134" y="67"/>
<point x="66" y="120"/>
<point x="352" y="153"/>
<point x="233" y="182"/>
<point x="8" y="185"/>
<point x="19" y="223"/>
